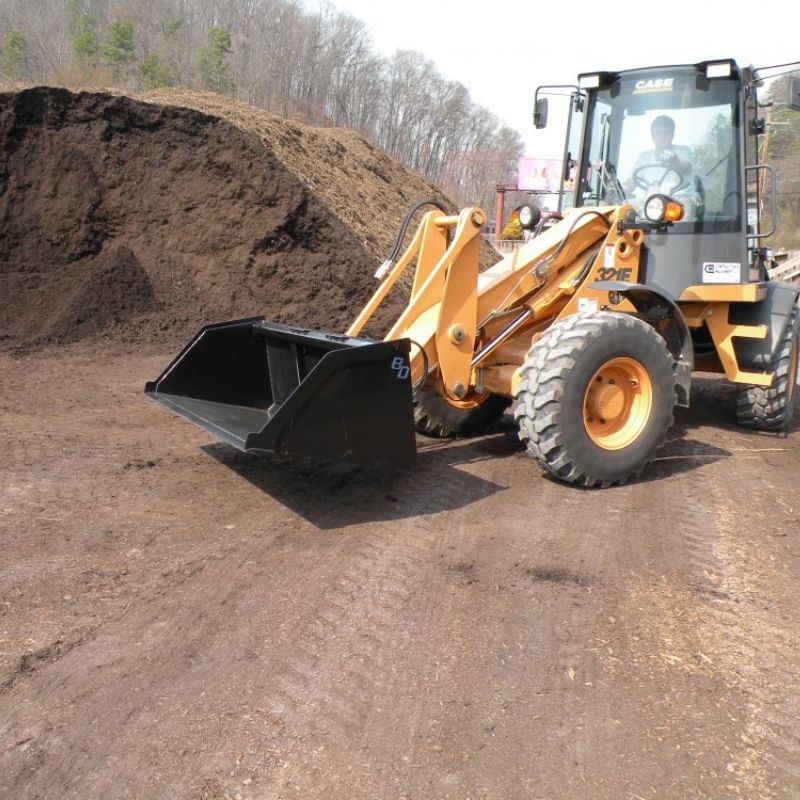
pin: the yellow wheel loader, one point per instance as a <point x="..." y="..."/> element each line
<point x="591" y="330"/>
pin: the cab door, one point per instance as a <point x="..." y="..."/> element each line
<point x="758" y="181"/>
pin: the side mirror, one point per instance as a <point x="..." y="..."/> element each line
<point x="794" y="93"/>
<point x="540" y="113"/>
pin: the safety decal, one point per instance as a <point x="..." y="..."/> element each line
<point x="721" y="272"/>
<point x="587" y="304"/>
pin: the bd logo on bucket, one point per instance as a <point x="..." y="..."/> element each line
<point x="400" y="367"/>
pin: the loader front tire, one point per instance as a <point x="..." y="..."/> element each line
<point x="770" y="408"/>
<point x="595" y="398"/>
<point x="439" y="417"/>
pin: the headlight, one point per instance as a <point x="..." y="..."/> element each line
<point x="718" y="69"/>
<point x="529" y="216"/>
<point x="654" y="208"/>
<point x="660" y="208"/>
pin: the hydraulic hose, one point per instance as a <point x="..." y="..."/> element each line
<point x="401" y="234"/>
<point x="421" y="380"/>
<point x="585" y="213"/>
<point x="545" y="262"/>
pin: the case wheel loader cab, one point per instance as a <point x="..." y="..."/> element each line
<point x="683" y="132"/>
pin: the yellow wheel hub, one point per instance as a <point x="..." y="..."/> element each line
<point x="617" y="403"/>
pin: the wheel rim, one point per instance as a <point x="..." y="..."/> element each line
<point x="617" y="403"/>
<point x="793" y="367"/>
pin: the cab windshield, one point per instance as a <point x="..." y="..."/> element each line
<point x="670" y="134"/>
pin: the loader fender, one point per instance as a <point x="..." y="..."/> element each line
<point x="655" y="306"/>
<point x="775" y="312"/>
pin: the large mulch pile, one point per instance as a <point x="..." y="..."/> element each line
<point x="145" y="218"/>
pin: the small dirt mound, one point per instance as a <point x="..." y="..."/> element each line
<point x="97" y="293"/>
<point x="146" y="220"/>
<point x="113" y="289"/>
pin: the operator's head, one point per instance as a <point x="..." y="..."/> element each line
<point x="662" y="130"/>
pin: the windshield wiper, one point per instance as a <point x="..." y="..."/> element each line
<point x="606" y="171"/>
<point x="609" y="180"/>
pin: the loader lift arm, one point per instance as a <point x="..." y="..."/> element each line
<point x="472" y="329"/>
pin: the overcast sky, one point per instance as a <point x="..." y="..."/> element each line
<point x="502" y="51"/>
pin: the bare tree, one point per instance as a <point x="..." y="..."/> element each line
<point x="317" y="65"/>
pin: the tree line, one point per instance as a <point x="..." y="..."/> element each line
<point x="316" y="66"/>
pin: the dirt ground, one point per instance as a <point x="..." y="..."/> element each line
<point x="181" y="621"/>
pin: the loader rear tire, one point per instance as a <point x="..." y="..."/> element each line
<point x="770" y="408"/>
<point x="436" y="416"/>
<point x="595" y="398"/>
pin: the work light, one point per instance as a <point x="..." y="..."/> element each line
<point x="660" y="208"/>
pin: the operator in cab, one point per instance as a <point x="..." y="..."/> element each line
<point x="676" y="157"/>
<point x="667" y="168"/>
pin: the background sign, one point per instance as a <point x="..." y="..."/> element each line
<point x="539" y="174"/>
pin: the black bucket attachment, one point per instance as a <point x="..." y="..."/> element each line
<point x="261" y="386"/>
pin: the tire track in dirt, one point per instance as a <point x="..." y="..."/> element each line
<point x="341" y="673"/>
<point x="537" y="605"/>
<point x="369" y="594"/>
<point x="745" y="631"/>
<point x="761" y="645"/>
<point x="432" y="695"/>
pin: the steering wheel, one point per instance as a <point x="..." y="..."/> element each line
<point x="642" y="182"/>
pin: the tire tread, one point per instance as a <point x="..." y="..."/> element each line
<point x="539" y="410"/>
<point x="770" y="408"/>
